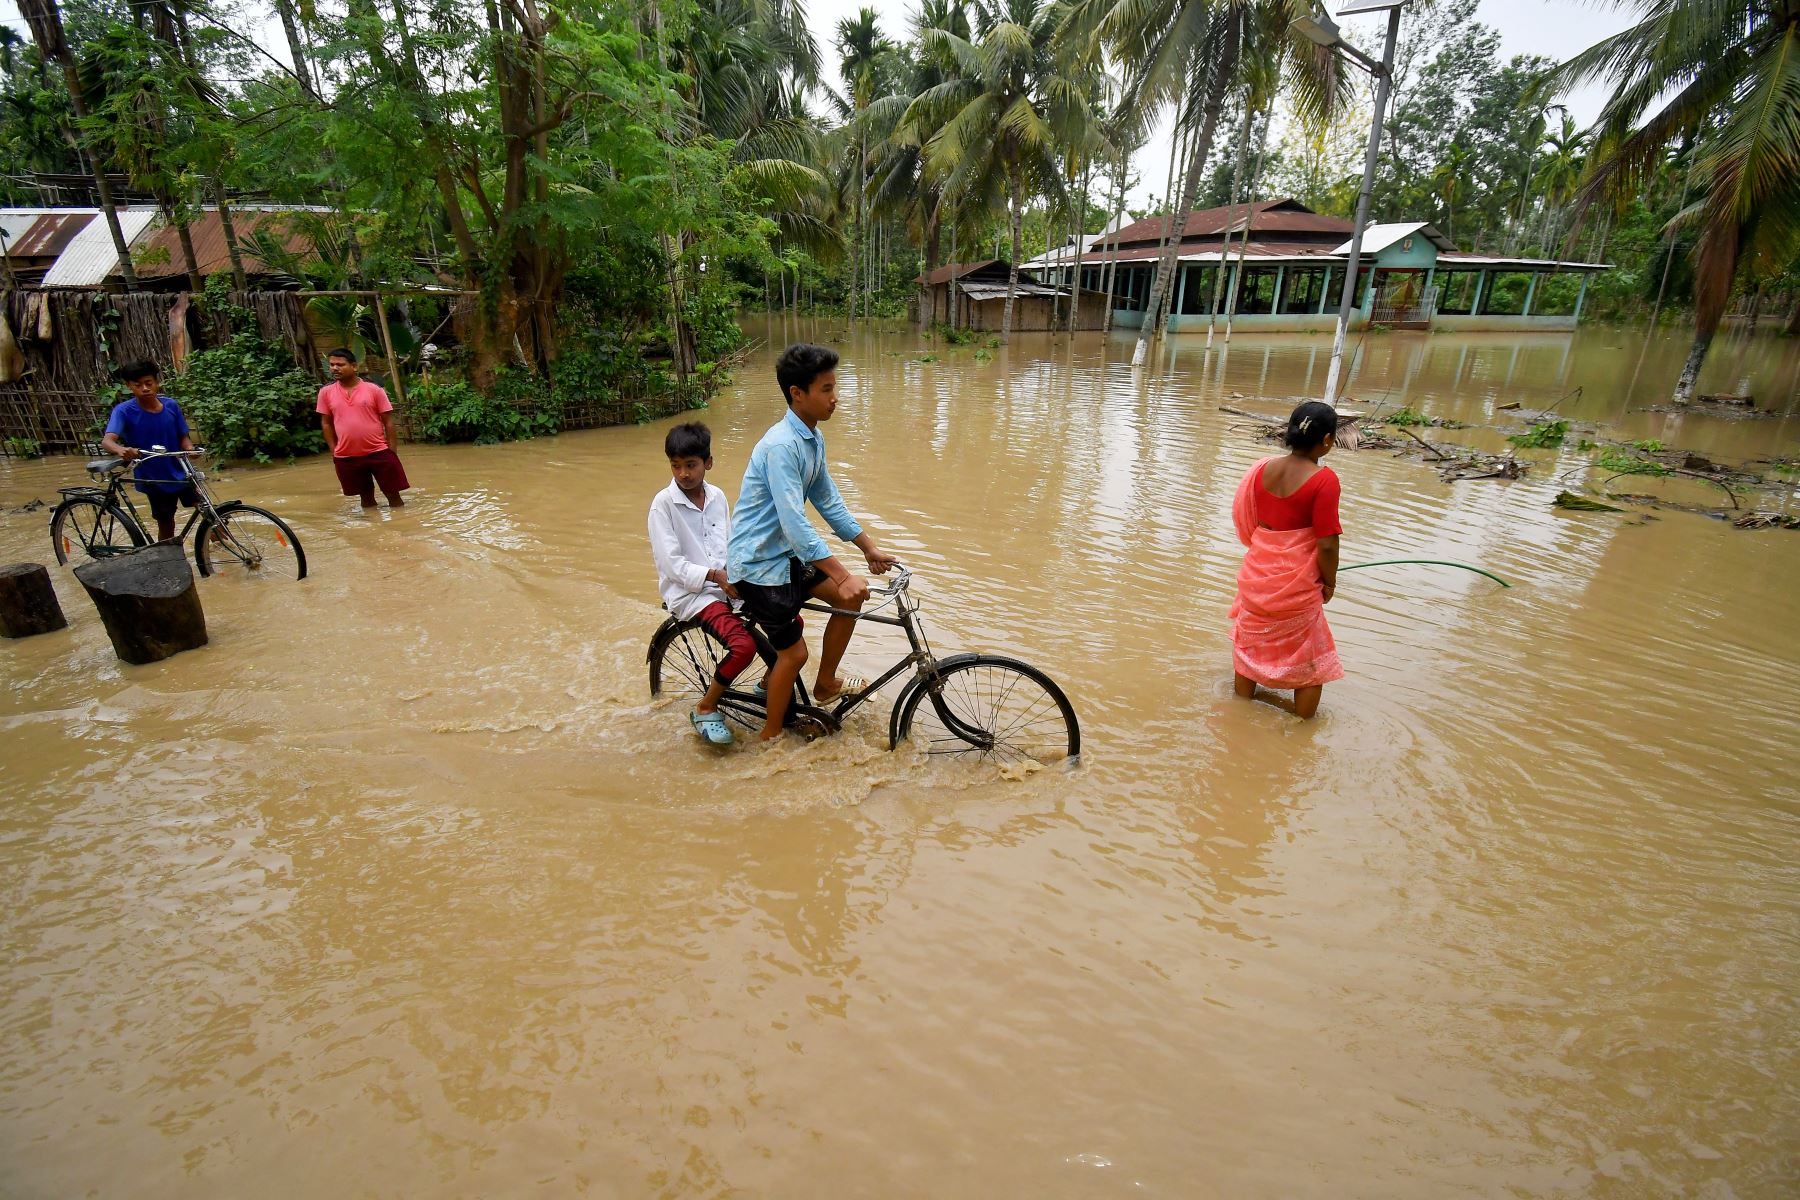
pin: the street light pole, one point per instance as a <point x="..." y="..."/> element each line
<point x="1383" y="79"/>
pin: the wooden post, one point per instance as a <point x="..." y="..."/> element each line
<point x="27" y="602"/>
<point x="147" y="601"/>
<point x="387" y="348"/>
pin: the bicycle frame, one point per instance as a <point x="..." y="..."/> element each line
<point x="919" y="659"/>
<point x="115" y="492"/>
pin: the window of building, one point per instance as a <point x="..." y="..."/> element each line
<point x="1256" y="290"/>
<point x="1306" y="289"/>
<point x="1197" y="299"/>
<point x="1506" y="293"/>
<point x="1456" y="292"/>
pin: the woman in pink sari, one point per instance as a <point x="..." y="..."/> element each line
<point x="1287" y="514"/>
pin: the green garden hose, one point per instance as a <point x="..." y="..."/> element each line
<point x="1426" y="562"/>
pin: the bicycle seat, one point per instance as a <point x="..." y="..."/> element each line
<point x="101" y="466"/>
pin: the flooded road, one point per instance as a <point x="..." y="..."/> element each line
<point x="404" y="887"/>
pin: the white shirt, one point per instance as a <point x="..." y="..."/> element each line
<point x="687" y="542"/>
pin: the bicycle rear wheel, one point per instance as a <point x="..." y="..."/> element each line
<point x="249" y="543"/>
<point x="685" y="658"/>
<point x="986" y="706"/>
<point x="85" y="528"/>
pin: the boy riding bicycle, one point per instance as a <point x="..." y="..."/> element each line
<point x="776" y="558"/>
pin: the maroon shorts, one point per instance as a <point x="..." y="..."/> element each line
<point x="360" y="476"/>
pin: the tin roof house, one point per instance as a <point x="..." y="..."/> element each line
<point x="1290" y="275"/>
<point x="74" y="248"/>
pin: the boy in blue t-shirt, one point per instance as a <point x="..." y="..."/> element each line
<point x="147" y="420"/>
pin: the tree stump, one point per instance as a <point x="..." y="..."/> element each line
<point x="27" y="601"/>
<point x="147" y="601"/>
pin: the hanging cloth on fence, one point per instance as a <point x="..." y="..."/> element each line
<point x="178" y="333"/>
<point x="45" y="331"/>
<point x="12" y="359"/>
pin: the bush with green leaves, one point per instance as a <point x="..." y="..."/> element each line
<point x="1544" y="436"/>
<point x="453" y="410"/>
<point x="246" y="399"/>
<point x="22" y="447"/>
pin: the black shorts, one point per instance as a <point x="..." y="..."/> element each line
<point x="162" y="503"/>
<point x="776" y="606"/>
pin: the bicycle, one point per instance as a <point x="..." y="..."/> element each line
<point x="981" y="705"/>
<point x="98" y="523"/>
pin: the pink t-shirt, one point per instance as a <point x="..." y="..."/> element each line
<point x="356" y="414"/>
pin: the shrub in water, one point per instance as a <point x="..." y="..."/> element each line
<point x="246" y="399"/>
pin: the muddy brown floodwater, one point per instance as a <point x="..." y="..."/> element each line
<point x="404" y="887"/>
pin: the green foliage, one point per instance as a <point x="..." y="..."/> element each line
<point x="1542" y="437"/>
<point x="1615" y="461"/>
<point x="453" y="410"/>
<point x="20" y="447"/>
<point x="955" y="336"/>
<point x="1650" y="446"/>
<point x="246" y="399"/>
<point x="1407" y="416"/>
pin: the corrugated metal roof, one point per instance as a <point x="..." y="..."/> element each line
<point x="47" y="236"/>
<point x="89" y="257"/>
<point x="1377" y="238"/>
<point x="1266" y="216"/>
<point x="208" y="235"/>
<point x="957" y="270"/>
<point x="1460" y="259"/>
<point x="985" y="290"/>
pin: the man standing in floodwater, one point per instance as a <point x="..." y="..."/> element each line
<point x="776" y="559"/>
<point x="358" y="421"/>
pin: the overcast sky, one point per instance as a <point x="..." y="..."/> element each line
<point x="1553" y="28"/>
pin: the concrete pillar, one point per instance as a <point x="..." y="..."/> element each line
<point x="1430" y="282"/>
<point x="1481" y="278"/>
<point x="1280" y="279"/>
<point x="1530" y="291"/>
<point x="1327" y="293"/>
<point x="1582" y="294"/>
<point x="1184" y="270"/>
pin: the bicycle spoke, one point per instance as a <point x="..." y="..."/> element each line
<point x="993" y="710"/>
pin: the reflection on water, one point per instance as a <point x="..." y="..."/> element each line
<point x="404" y="878"/>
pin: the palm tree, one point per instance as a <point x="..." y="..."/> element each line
<point x="1190" y="54"/>
<point x="865" y="58"/>
<point x="1560" y="163"/>
<point x="1447" y="182"/>
<point x="1727" y="74"/>
<point x="1002" y="120"/>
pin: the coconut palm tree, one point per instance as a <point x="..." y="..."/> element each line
<point x="867" y="60"/>
<point x="1559" y="167"/>
<point x="1188" y="55"/>
<point x="1003" y="119"/>
<point x="1725" y="73"/>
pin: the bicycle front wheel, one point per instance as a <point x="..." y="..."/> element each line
<point x="249" y="543"/>
<point x="986" y="706"/>
<point x="85" y="528"/>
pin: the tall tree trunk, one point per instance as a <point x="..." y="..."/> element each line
<point x="1793" y="322"/>
<point x="1018" y="233"/>
<point x="1087" y="179"/>
<point x="950" y="288"/>
<point x="1112" y="262"/>
<point x="228" y="230"/>
<point x="1262" y="159"/>
<point x="297" y="48"/>
<point x="1223" y="70"/>
<point x="195" y="283"/>
<point x="934" y="239"/>
<point x="1713" y="276"/>
<point x="1237" y="175"/>
<point x="47" y="30"/>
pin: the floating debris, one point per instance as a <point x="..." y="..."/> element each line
<point x="1728" y="399"/>
<point x="1570" y="500"/>
<point x="1767" y="520"/>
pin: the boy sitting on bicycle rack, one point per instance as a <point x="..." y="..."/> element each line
<point x="777" y="558"/>
<point x="690" y="524"/>
<point x="148" y="421"/>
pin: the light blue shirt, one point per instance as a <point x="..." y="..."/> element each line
<point x="786" y="469"/>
